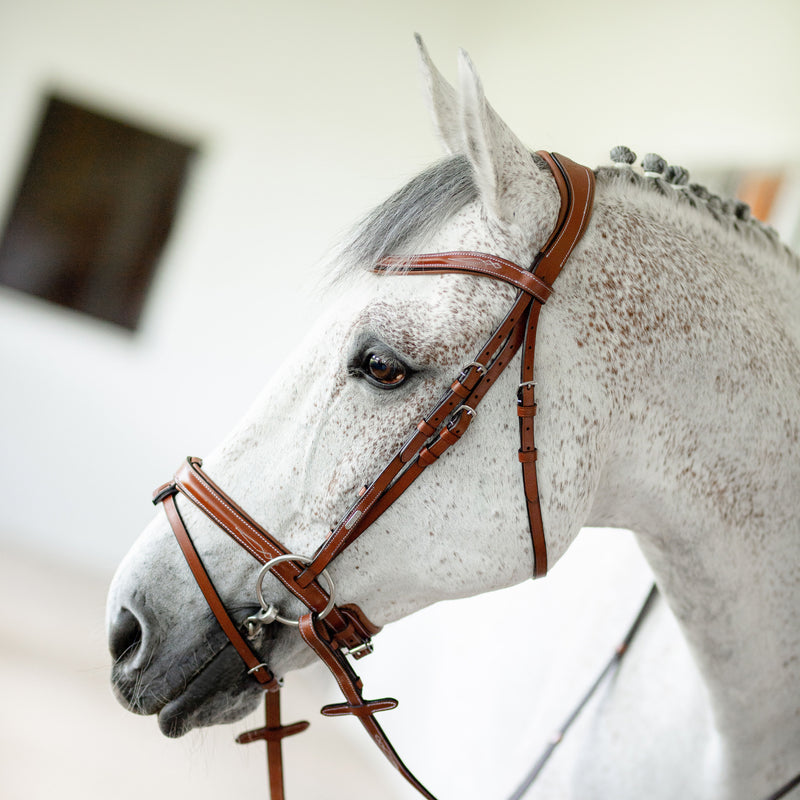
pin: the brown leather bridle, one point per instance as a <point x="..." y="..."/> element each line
<point x="335" y="631"/>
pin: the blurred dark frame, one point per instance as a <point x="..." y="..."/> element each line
<point x="92" y="212"/>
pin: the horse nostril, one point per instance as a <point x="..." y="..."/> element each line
<point x="125" y="636"/>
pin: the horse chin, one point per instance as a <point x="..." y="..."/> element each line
<point x="221" y="692"/>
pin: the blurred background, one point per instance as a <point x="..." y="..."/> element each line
<point x="277" y="125"/>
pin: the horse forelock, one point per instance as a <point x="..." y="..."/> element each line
<point x="407" y="217"/>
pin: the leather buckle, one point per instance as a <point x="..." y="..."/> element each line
<point x="523" y="386"/>
<point x="359" y="651"/>
<point x="465" y="371"/>
<point x="455" y="415"/>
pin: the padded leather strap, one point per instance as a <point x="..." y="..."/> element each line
<point x="576" y="187"/>
<point x="469" y="264"/>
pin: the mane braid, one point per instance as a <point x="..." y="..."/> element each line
<point x="730" y="214"/>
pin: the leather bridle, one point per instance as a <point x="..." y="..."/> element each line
<point x="335" y="631"/>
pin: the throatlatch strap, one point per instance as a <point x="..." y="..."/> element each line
<point x="576" y="187"/>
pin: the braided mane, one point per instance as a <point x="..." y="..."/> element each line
<point x="671" y="183"/>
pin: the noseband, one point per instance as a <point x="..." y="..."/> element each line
<point x="336" y="631"/>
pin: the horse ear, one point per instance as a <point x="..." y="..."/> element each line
<point x="503" y="167"/>
<point x="442" y="101"/>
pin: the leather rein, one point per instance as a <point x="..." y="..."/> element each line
<point x="336" y="631"/>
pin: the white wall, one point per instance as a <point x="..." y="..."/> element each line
<point x="308" y="113"/>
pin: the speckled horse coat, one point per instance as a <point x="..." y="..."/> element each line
<point x="668" y="371"/>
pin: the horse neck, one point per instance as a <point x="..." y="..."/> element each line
<point x="700" y="363"/>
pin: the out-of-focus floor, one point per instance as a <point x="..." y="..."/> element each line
<point x="62" y="733"/>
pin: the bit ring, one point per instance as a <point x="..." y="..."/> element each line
<point x="303" y="560"/>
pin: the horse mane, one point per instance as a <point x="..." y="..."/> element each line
<point x="429" y="200"/>
<point x="730" y="214"/>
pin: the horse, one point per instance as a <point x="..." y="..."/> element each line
<point x="667" y="373"/>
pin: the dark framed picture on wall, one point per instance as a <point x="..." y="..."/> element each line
<point x="92" y="211"/>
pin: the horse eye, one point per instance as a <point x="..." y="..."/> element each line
<point x="384" y="371"/>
